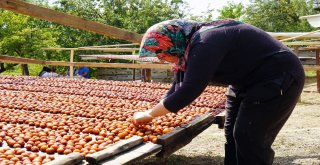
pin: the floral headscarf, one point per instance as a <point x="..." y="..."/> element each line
<point x="173" y="38"/>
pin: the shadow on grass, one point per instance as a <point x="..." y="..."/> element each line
<point x="218" y="160"/>
<point x="295" y="160"/>
<point x="182" y="160"/>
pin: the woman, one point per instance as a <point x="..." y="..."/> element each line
<point x="265" y="80"/>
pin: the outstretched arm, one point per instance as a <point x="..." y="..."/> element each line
<point x="202" y="64"/>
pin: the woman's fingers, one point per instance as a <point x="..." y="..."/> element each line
<point x="140" y="118"/>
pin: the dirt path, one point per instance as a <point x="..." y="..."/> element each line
<point x="297" y="143"/>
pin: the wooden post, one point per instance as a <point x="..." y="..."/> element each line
<point x="146" y="75"/>
<point x="296" y="50"/>
<point x="318" y="72"/>
<point x="134" y="70"/>
<point x="71" y="60"/>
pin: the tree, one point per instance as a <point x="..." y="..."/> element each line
<point x="28" y="43"/>
<point x="279" y="15"/>
<point x="232" y="10"/>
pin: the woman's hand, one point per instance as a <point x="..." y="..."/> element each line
<point x="146" y="116"/>
<point x="140" y="118"/>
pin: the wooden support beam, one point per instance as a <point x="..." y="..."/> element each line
<point x="311" y="67"/>
<point x="301" y="43"/>
<point x="18" y="60"/>
<point x="183" y="135"/>
<point x="68" y="20"/>
<point x="112" y="49"/>
<point x="283" y="35"/>
<point x="110" y="46"/>
<point x="59" y="49"/>
<point x="299" y="36"/>
<point x="96" y="48"/>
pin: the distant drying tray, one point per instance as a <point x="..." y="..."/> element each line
<point x="314" y="20"/>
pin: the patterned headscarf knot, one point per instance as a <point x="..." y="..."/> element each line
<point x="168" y="38"/>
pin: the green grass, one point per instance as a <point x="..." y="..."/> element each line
<point x="310" y="73"/>
<point x="34" y="70"/>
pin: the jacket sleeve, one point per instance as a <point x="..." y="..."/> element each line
<point x="203" y="61"/>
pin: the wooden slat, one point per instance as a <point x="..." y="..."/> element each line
<point x="71" y="159"/>
<point x="112" y="49"/>
<point x="172" y="137"/>
<point x="69" y="20"/>
<point x="300" y="36"/>
<point x="181" y="136"/>
<point x="17" y="60"/>
<point x="99" y="49"/>
<point x="197" y="125"/>
<point x="134" y="154"/>
<point x="115" y="149"/>
<point x="123" y="57"/>
<point x="311" y="67"/>
<point x="301" y="43"/>
<point x="109" y="46"/>
<point x="282" y="35"/>
<point x="58" y="49"/>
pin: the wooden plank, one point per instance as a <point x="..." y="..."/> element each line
<point x="299" y="36"/>
<point x="197" y="125"/>
<point x="122" y="57"/>
<point x="170" y="149"/>
<point x="99" y="49"/>
<point x="58" y="49"/>
<point x="181" y="136"/>
<point x="69" y="20"/>
<point x="112" y="49"/>
<point x="109" y="46"/>
<point x="311" y="67"/>
<point x="115" y="149"/>
<point x="18" y="60"/>
<point x="302" y="43"/>
<point x="71" y="159"/>
<point x="134" y="154"/>
<point x="282" y="35"/>
<point x="172" y="137"/>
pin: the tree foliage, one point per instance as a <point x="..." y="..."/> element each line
<point x="232" y="10"/>
<point x="272" y="15"/>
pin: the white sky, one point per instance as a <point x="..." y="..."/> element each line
<point x="198" y="7"/>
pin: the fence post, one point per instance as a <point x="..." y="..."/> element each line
<point x="71" y="60"/>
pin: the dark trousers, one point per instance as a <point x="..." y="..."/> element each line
<point x="254" y="117"/>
